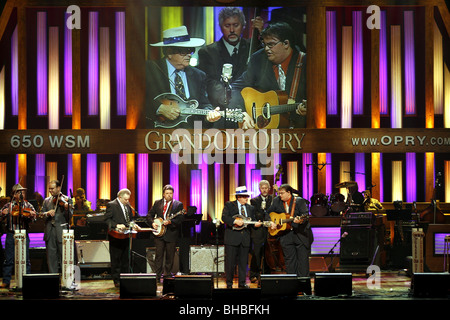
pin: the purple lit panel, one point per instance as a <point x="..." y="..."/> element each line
<point x="41" y="64"/>
<point x="69" y="174"/>
<point x="14" y="74"/>
<point x="142" y="183"/>
<point x="383" y="66"/>
<point x="121" y="74"/>
<point x="439" y="243"/>
<point x="358" y="64"/>
<point x="39" y="171"/>
<point x="410" y="73"/>
<point x="324" y="240"/>
<point x="36" y="240"/>
<point x="91" y="178"/>
<point x="93" y="69"/>
<point x="331" y="63"/>
<point x="307" y="190"/>
<point x="411" y="178"/>
<point x="174" y="179"/>
<point x="381" y="179"/>
<point x="196" y="192"/>
<point x="68" y="69"/>
<point x="122" y="171"/>
<point x="329" y="174"/>
<point x="256" y="178"/>
<point x="249" y="167"/>
<point x="360" y="170"/>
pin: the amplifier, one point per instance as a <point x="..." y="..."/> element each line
<point x="358" y="219"/>
<point x="203" y="259"/>
<point x="93" y="253"/>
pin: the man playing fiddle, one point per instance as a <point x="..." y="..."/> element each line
<point x="18" y="213"/>
<point x="57" y="210"/>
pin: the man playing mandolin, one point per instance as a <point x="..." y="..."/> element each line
<point x="173" y="74"/>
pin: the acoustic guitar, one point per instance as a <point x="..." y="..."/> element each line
<point x="269" y="110"/>
<point x="160" y="229"/>
<point x="189" y="108"/>
<point x="283" y="222"/>
<point x="247" y="221"/>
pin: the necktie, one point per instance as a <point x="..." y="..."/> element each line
<point x="281" y="78"/>
<point x="164" y="210"/>
<point x="179" y="86"/>
<point x="243" y="211"/>
<point x="234" y="56"/>
<point x="127" y="217"/>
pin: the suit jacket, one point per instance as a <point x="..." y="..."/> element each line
<point x="157" y="82"/>
<point x="236" y="237"/>
<point x="211" y="60"/>
<point x="260" y="234"/>
<point x="114" y="214"/>
<point x="260" y="76"/>
<point x="61" y="220"/>
<point x="300" y="231"/>
<point x="173" y="229"/>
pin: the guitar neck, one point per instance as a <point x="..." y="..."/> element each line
<point x="199" y="112"/>
<point x="283" y="108"/>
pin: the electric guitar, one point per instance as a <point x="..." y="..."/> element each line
<point x="133" y="230"/>
<point x="283" y="221"/>
<point x="160" y="229"/>
<point x="269" y="110"/>
<point x="247" y="221"/>
<point x="189" y="108"/>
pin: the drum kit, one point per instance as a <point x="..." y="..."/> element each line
<point x="330" y="205"/>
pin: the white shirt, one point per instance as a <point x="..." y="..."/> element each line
<point x="230" y="47"/>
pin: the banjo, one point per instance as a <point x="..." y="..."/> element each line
<point x="160" y="228"/>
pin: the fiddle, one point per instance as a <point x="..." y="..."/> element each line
<point x="60" y="201"/>
<point x="26" y="212"/>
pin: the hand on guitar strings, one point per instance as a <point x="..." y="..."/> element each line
<point x="301" y="108"/>
<point x="170" y="112"/>
<point x="248" y="122"/>
<point x="214" y="115"/>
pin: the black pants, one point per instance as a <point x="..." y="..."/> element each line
<point x="236" y="255"/>
<point x="256" y="263"/>
<point x="119" y="253"/>
<point x="164" y="249"/>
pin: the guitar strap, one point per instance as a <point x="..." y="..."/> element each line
<point x="296" y="79"/>
<point x="293" y="206"/>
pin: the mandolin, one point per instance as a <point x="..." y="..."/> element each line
<point x="189" y="108"/>
<point x="247" y="221"/>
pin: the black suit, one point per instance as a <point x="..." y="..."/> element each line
<point x="259" y="235"/>
<point x="211" y="60"/>
<point x="237" y="242"/>
<point x="296" y="242"/>
<point x="157" y="82"/>
<point x="118" y="248"/>
<point x="260" y="76"/>
<point x="166" y="244"/>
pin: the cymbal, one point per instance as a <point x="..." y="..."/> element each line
<point x="346" y="184"/>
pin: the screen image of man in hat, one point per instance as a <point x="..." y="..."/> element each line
<point x="173" y="75"/>
<point x="18" y="214"/>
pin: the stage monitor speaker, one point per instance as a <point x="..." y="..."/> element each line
<point x="41" y="286"/>
<point x="358" y="246"/>
<point x="193" y="286"/>
<point x="332" y="284"/>
<point x="431" y="285"/>
<point x="279" y="285"/>
<point x="137" y="285"/>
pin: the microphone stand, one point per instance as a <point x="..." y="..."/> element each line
<point x="331" y="252"/>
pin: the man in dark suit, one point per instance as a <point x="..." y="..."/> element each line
<point x="230" y="49"/>
<point x="296" y="240"/>
<point x="57" y="218"/>
<point x="275" y="67"/>
<point x="118" y="216"/>
<point x="259" y="235"/>
<point x="171" y="212"/>
<point x="237" y="242"/>
<point x="173" y="74"/>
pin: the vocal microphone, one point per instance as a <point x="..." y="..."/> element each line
<point x="227" y="71"/>
<point x="344" y="235"/>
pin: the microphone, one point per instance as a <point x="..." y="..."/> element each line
<point x="227" y="71"/>
<point x="344" y="235"/>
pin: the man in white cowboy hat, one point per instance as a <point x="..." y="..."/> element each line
<point x="19" y="214"/>
<point x="237" y="236"/>
<point x="173" y="74"/>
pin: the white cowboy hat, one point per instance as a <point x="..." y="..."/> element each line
<point x="242" y="191"/>
<point x="178" y="37"/>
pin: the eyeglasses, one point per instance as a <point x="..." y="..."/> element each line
<point x="270" y="44"/>
<point x="184" y="51"/>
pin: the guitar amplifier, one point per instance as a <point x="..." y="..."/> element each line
<point x="93" y="253"/>
<point x="358" y="219"/>
<point x="203" y="259"/>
